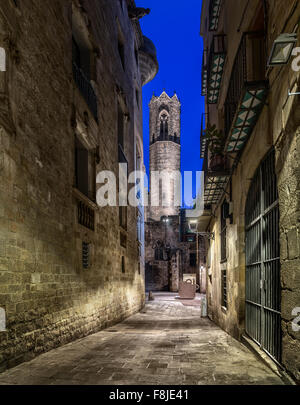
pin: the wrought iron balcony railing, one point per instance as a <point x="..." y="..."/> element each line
<point x="216" y="62"/>
<point x="86" y="90"/>
<point x="214" y="14"/>
<point x="203" y="140"/>
<point x="247" y="90"/>
<point x="204" y="73"/>
<point x="217" y="176"/>
<point x="86" y="215"/>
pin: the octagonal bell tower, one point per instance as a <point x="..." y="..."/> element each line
<point x="164" y="148"/>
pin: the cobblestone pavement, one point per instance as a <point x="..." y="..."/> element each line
<point x="166" y="343"/>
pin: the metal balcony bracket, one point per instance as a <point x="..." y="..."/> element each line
<point x="293" y="94"/>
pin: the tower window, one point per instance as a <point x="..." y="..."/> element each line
<point x="164" y="127"/>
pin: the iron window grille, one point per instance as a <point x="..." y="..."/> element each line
<point x="224" y="288"/>
<point x="85" y="255"/>
<point x="223" y="233"/>
<point x="262" y="284"/>
<point x="86" y="89"/>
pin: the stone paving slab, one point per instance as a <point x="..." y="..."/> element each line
<point x="166" y="343"/>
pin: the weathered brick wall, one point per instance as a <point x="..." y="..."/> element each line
<point x="48" y="297"/>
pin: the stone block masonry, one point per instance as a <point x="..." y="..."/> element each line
<point x="48" y="296"/>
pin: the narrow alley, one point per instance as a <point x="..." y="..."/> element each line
<point x="166" y="343"/>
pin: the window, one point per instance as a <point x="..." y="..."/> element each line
<point x="193" y="259"/>
<point x="224" y="288"/>
<point x="223" y="232"/>
<point x="123" y="240"/>
<point x="83" y="61"/>
<point x="76" y="57"/>
<point x="164" y="126"/>
<point x="120" y="126"/>
<point x="85" y="255"/>
<point x="121" y="49"/>
<point x="139" y="227"/>
<point x="85" y="170"/>
<point x="159" y="253"/>
<point x="123" y="265"/>
<point x="81" y="167"/>
<point x="123" y="217"/>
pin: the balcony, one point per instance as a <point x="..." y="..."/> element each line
<point x="214" y="14"/>
<point x="204" y="73"/>
<point x="86" y="90"/>
<point x="216" y="180"/>
<point x="203" y="140"/>
<point x="217" y="56"/>
<point x="247" y="91"/>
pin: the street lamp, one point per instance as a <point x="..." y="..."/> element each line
<point x="282" y="49"/>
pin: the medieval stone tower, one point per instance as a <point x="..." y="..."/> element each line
<point x="164" y="150"/>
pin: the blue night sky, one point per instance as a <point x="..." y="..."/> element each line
<point x="174" y="28"/>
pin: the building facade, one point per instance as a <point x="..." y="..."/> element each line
<point x="251" y="163"/>
<point x="172" y="250"/>
<point x="71" y="106"/>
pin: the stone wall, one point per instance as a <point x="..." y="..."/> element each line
<point x="278" y="128"/>
<point x="48" y="297"/>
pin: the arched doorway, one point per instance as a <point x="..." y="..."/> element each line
<point x="263" y="290"/>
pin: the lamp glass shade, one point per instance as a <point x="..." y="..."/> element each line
<point x="281" y="53"/>
<point x="282" y="49"/>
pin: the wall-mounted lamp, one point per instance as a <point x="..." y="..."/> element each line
<point x="282" y="49"/>
<point x="193" y="225"/>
